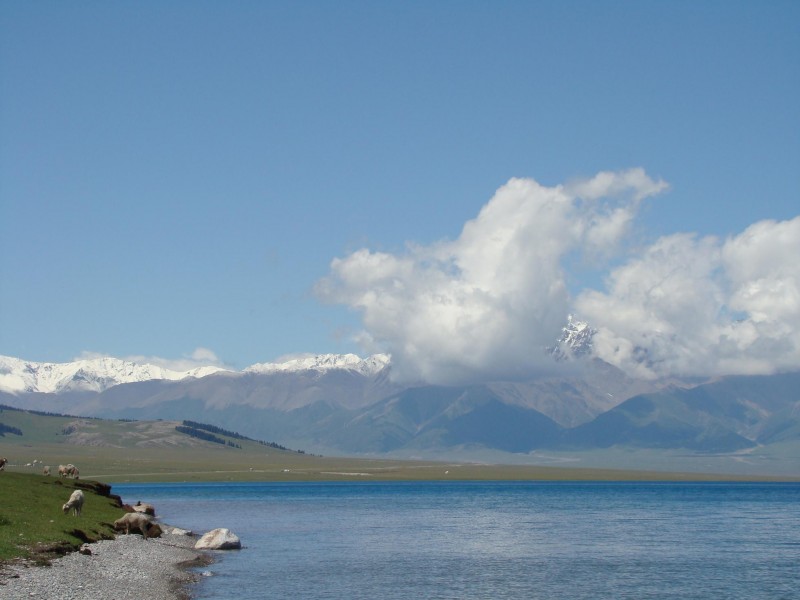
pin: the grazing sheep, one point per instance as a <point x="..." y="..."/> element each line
<point x="155" y="530"/>
<point x="3" y="461"/>
<point x="134" y="520"/>
<point x="46" y="471"/>
<point x="75" y="503"/>
<point x="69" y="470"/>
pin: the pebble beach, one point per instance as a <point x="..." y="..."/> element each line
<point x="126" y="568"/>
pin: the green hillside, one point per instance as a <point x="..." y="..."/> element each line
<point x="32" y="524"/>
<point x="134" y="450"/>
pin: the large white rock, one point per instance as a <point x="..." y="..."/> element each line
<point x="219" y="539"/>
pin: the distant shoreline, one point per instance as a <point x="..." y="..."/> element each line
<point x="426" y="471"/>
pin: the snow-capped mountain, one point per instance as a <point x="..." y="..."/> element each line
<point x="325" y="362"/>
<point x="19" y="376"/>
<point x="99" y="374"/>
<point x="575" y="341"/>
<point x="94" y="375"/>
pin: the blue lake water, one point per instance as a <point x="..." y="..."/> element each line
<point x="488" y="540"/>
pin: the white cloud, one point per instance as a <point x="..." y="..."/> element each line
<point x="486" y="304"/>
<point x="634" y="183"/>
<point x="692" y="306"/>
<point x="199" y="357"/>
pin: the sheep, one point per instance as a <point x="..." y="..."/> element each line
<point x="134" y="520"/>
<point x="46" y="471"/>
<point x="3" y="461"/>
<point x="69" y="470"/>
<point x="75" y="503"/>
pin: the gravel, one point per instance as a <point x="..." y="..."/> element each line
<point x="127" y="568"/>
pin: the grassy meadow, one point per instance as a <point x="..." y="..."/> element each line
<point x="144" y="451"/>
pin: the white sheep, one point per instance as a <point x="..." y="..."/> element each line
<point x="46" y="471"/>
<point x="134" y="520"/>
<point x="75" y="503"/>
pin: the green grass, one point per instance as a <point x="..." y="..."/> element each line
<point x="33" y="525"/>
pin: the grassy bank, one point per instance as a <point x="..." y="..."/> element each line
<point x="32" y="524"/>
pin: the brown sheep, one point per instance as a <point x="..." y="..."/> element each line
<point x="69" y="470"/>
<point x="134" y="520"/>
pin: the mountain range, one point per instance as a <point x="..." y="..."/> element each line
<point x="342" y="404"/>
<point x="99" y="374"/>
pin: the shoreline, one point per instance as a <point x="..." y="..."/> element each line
<point x="125" y="568"/>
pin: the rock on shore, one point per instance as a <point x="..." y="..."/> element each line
<point x="219" y="539"/>
<point x="127" y="568"/>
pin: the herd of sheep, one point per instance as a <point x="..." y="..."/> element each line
<point x="138" y="520"/>
<point x="69" y="470"/>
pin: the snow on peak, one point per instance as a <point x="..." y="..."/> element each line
<point x="96" y="374"/>
<point x="576" y="340"/>
<point x="325" y="362"/>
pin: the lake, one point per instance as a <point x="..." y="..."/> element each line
<point x="492" y="540"/>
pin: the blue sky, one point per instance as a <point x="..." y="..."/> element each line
<point x="178" y="176"/>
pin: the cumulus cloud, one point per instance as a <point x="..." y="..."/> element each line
<point x="486" y="304"/>
<point x="703" y="306"/>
